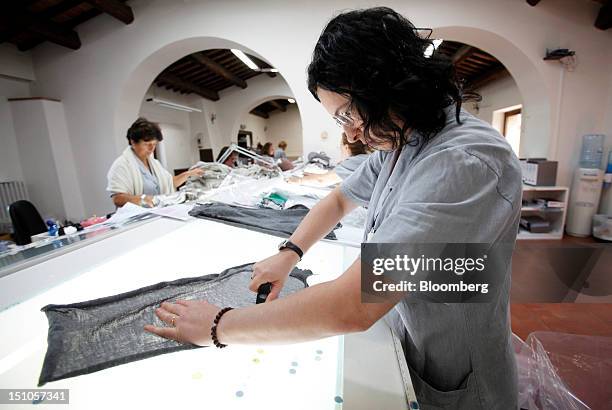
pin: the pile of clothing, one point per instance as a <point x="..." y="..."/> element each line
<point x="214" y="175"/>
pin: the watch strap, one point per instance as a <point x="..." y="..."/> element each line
<point x="290" y="245"/>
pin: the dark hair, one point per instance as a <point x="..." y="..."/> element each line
<point x="376" y="58"/>
<point x="221" y="152"/>
<point x="144" y="130"/>
<point x="266" y="148"/>
<point x="355" y="148"/>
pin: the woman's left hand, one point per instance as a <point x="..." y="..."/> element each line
<point x="196" y="172"/>
<point x="189" y="321"/>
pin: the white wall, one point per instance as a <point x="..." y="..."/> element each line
<point x="286" y="126"/>
<point x="16" y="72"/>
<point x="499" y="94"/>
<point x="258" y="126"/>
<point x="496" y="96"/>
<point x="179" y="144"/>
<point x="10" y="164"/>
<point x="47" y="158"/>
<point x="16" y="64"/>
<point x="116" y="65"/>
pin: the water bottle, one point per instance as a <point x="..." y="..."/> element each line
<point x="592" y="151"/>
<point x="608" y="175"/>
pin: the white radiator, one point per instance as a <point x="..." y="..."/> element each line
<point x="10" y="192"/>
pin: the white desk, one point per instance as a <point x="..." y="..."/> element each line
<point x="362" y="369"/>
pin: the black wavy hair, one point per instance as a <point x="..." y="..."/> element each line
<point x="144" y="130"/>
<point x="376" y="58"/>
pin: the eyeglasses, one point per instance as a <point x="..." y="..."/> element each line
<point x="344" y="120"/>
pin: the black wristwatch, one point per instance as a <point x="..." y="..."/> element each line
<point x="287" y="244"/>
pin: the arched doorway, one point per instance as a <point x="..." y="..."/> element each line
<point x="539" y="135"/>
<point x="144" y="73"/>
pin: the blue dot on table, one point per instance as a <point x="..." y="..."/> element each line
<point x="294" y="364"/>
<point x="292" y="371"/>
<point x="414" y="405"/>
<point x="338" y="399"/>
<point x="239" y="393"/>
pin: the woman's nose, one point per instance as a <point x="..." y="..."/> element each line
<point x="352" y="134"/>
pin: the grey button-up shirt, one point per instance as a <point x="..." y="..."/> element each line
<point x="464" y="185"/>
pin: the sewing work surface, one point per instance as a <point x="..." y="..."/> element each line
<point x="301" y="376"/>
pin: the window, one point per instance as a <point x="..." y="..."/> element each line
<point x="512" y="128"/>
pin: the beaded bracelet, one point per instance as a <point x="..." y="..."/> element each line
<point x="213" y="329"/>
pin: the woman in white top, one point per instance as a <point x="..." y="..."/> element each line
<point x="136" y="176"/>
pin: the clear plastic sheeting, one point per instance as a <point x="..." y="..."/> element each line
<point x="564" y="371"/>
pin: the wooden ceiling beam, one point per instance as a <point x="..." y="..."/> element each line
<point x="278" y="105"/>
<point x="259" y="113"/>
<point x="178" y="82"/>
<point x="114" y="8"/>
<point x="487" y="77"/>
<point x="18" y="19"/>
<point x="218" y="69"/>
<point x="604" y="17"/>
<point x="463" y="53"/>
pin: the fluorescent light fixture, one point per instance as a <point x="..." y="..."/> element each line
<point x="245" y="59"/>
<point x="267" y="70"/>
<point x="174" y="106"/>
<point x="291" y="100"/>
<point x="432" y="47"/>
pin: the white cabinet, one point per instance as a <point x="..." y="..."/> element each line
<point x="555" y="215"/>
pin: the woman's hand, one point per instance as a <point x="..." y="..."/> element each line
<point x="196" y="172"/>
<point x="189" y="321"/>
<point x="274" y="270"/>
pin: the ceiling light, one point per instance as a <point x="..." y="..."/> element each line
<point x="245" y="59"/>
<point x="291" y="100"/>
<point x="174" y="106"/>
<point x="432" y="47"/>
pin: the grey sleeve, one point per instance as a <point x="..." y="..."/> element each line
<point x="449" y="196"/>
<point x="359" y="185"/>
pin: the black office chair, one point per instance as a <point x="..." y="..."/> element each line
<point x="26" y="221"/>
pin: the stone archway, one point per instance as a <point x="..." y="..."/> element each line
<point x="143" y="74"/>
<point x="538" y="139"/>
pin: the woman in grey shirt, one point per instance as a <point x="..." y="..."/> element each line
<point x="438" y="175"/>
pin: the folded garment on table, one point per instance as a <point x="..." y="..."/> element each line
<point x="95" y="335"/>
<point x="319" y="158"/>
<point x="172" y="199"/>
<point x="213" y="176"/>
<point x="256" y="171"/>
<point x="275" y="222"/>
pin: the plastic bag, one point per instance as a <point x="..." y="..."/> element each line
<point x="564" y="371"/>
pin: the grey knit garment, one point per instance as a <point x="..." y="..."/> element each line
<point x="272" y="221"/>
<point x="89" y="336"/>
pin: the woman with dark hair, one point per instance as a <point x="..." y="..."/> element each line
<point x="136" y="176"/>
<point x="230" y="161"/>
<point x="268" y="150"/>
<point x="438" y="175"/>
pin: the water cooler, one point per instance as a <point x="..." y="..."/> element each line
<point x="602" y="223"/>
<point x="586" y="187"/>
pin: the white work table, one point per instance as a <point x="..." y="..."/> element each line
<point x="358" y="371"/>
